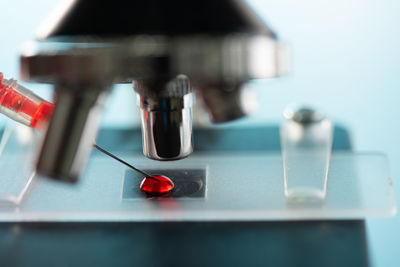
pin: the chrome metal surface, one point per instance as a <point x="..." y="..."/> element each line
<point x="204" y="59"/>
<point x="80" y="52"/>
<point x="70" y="134"/>
<point x="166" y="119"/>
<point x="227" y="102"/>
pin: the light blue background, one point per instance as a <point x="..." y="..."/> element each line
<point x="345" y="60"/>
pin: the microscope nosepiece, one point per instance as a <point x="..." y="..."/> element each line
<point x="166" y="116"/>
<point x="227" y="102"/>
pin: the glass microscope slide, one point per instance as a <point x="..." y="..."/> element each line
<point x="359" y="186"/>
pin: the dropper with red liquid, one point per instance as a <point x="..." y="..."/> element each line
<point x="24" y="106"/>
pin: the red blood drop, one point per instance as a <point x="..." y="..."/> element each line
<point x="157" y="185"/>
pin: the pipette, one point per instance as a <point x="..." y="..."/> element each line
<point x="22" y="105"/>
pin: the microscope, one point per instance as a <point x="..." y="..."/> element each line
<point x="171" y="51"/>
<point x="287" y="195"/>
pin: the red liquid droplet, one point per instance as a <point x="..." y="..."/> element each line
<point x="157" y="186"/>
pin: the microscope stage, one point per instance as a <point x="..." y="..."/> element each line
<point x="235" y="186"/>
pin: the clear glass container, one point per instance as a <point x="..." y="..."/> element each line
<point x="306" y="152"/>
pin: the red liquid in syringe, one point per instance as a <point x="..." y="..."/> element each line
<point x="22" y="105"/>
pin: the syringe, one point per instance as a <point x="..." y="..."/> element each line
<point x="22" y="105"/>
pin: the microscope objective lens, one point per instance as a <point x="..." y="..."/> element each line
<point x="157" y="185"/>
<point x="24" y="106"/>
